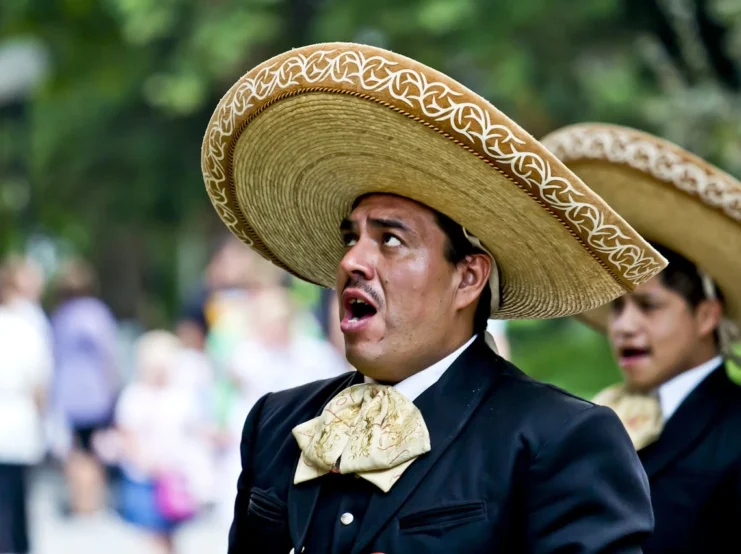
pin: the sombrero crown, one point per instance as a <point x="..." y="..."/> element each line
<point x="298" y="138"/>
<point x="672" y="197"/>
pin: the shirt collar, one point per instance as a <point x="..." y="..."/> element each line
<point x="413" y="386"/>
<point x="673" y="392"/>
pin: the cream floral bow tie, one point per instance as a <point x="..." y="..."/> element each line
<point x="371" y="430"/>
<point x="640" y="413"/>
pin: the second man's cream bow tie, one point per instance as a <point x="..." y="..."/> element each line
<point x="371" y="430"/>
<point x="640" y="413"/>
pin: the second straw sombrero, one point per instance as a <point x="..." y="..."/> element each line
<point x="673" y="198"/>
<point x="298" y="138"/>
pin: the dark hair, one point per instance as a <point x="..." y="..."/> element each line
<point x="457" y="247"/>
<point x="683" y="277"/>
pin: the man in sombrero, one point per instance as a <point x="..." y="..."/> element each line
<point x="430" y="212"/>
<point x="673" y="335"/>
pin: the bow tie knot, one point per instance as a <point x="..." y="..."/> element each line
<point x="370" y="430"/>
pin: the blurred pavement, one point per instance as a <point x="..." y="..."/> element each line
<point x="52" y="533"/>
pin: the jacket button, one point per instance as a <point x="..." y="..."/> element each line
<point x="347" y="518"/>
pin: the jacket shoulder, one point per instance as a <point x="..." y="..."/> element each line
<point x="538" y="396"/>
<point x="541" y="412"/>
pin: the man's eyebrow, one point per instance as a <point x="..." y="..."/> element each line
<point x="347" y="224"/>
<point x="383" y="223"/>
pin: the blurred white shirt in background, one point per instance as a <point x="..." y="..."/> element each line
<point x="25" y="369"/>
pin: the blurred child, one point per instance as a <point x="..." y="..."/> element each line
<point x="162" y="456"/>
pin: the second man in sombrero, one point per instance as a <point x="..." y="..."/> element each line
<point x="429" y="211"/>
<point x="673" y="335"/>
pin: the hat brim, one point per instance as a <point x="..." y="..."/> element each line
<point x="296" y="140"/>
<point x="670" y="196"/>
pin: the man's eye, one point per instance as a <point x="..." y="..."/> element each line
<point x="391" y="240"/>
<point x="349" y="240"/>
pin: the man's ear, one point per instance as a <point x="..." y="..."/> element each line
<point x="475" y="270"/>
<point x="709" y="314"/>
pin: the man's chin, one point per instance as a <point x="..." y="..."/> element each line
<point x="639" y="374"/>
<point x="358" y="354"/>
<point x="364" y="357"/>
<point x="641" y="383"/>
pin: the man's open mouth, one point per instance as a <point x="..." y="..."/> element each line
<point x="633" y="354"/>
<point x="357" y="309"/>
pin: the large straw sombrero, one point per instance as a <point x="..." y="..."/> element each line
<point x="298" y="138"/>
<point x="672" y="197"/>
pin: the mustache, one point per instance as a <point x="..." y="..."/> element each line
<point x="353" y="283"/>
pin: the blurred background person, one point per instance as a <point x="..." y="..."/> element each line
<point x="25" y="368"/>
<point x="86" y="380"/>
<point x="27" y="278"/>
<point x="194" y="370"/>
<point x="273" y="357"/>
<point x="193" y="374"/>
<point x="165" y="464"/>
<point x="232" y="275"/>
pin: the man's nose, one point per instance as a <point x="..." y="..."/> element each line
<point x="359" y="261"/>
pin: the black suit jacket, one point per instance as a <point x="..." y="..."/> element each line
<point x="695" y="472"/>
<point x="516" y="466"/>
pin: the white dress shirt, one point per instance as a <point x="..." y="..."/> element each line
<point x="413" y="386"/>
<point x="25" y="366"/>
<point x="673" y="392"/>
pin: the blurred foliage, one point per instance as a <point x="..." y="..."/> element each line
<point x="104" y="154"/>
<point x="563" y="352"/>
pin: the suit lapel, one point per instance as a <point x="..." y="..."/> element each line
<point x="689" y="423"/>
<point x="446" y="407"/>
<point x="302" y="498"/>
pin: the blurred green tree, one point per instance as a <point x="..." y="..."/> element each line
<point x="105" y="153"/>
